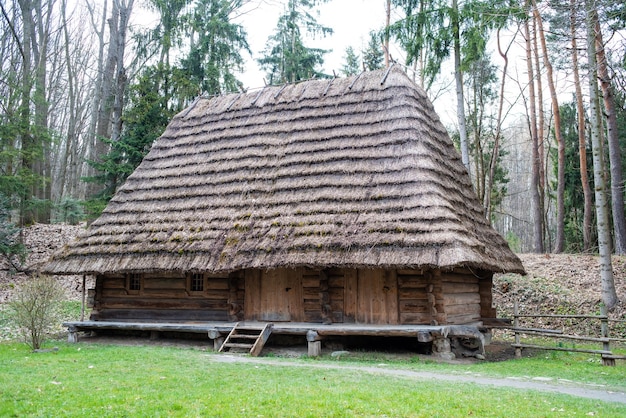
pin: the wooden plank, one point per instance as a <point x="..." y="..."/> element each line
<point x="337" y="317"/>
<point x="217" y="283"/>
<point x="461" y="319"/>
<point x="450" y="288"/>
<point x="578" y="350"/>
<point x="409" y="272"/>
<point x="141" y="303"/>
<point x="390" y="291"/>
<point x="470" y="308"/>
<point x="337" y="282"/>
<point x="311" y="293"/>
<point x="415" y="318"/>
<point x="164" y="283"/>
<point x="281" y="296"/>
<point x="336" y="293"/>
<point x="350" y="295"/>
<point x="310" y="282"/>
<point x="163" y="315"/>
<point x="311" y="305"/>
<point x="416" y="282"/>
<point x="164" y="293"/>
<point x="414" y="306"/>
<point x="404" y="294"/>
<point x="377" y="297"/>
<point x="260" y="342"/>
<point x="113" y="283"/>
<point x="252" y="294"/>
<point x="461" y="298"/>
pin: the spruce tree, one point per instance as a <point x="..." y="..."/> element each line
<point x="286" y="59"/>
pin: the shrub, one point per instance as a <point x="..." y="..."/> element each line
<point x="36" y="308"/>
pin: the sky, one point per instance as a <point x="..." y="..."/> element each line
<point x="351" y="21"/>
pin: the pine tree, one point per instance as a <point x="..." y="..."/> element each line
<point x="286" y="59"/>
<point x="373" y="55"/>
<point x="350" y="63"/>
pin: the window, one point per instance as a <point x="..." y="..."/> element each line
<point x="134" y="282"/>
<point x="196" y="283"/>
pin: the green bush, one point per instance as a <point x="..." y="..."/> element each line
<point x="36" y="307"/>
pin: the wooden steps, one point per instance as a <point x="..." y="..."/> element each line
<point x="247" y="337"/>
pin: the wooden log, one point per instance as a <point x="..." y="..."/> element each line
<point x="72" y="335"/>
<point x="415" y="318"/>
<point x="412" y="293"/>
<point x="461" y="299"/>
<point x="314" y="348"/>
<point x="470" y="308"/>
<point x="452" y="288"/>
<point x="165" y="283"/>
<point x="577" y="350"/>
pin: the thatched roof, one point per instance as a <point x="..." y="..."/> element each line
<point x="354" y="172"/>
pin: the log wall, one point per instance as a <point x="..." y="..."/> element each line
<point x="369" y="296"/>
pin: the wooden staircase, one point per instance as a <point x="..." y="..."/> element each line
<point x="247" y="337"/>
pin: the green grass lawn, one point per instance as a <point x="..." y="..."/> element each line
<point x="107" y="380"/>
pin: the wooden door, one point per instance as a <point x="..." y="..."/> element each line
<point x="274" y="296"/>
<point x="377" y="297"/>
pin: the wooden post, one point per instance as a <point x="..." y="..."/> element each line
<point x="518" y="349"/>
<point x="82" y="304"/>
<point x="442" y="348"/>
<point x="217" y="337"/>
<point x="604" y="330"/>
<point x="314" y="344"/>
<point x="72" y="336"/>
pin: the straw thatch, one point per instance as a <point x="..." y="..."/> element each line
<point x="355" y="172"/>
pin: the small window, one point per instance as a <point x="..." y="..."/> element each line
<point x="197" y="283"/>
<point x="134" y="282"/>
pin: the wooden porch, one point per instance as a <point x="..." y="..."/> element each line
<point x="439" y="335"/>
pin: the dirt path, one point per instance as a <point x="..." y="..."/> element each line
<point x="537" y="383"/>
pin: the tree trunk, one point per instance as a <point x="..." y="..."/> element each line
<point x="496" y="141"/>
<point x="120" y="78"/>
<point x="26" y="216"/>
<point x="615" y="158"/>
<point x="582" y="145"/>
<point x="42" y="109"/>
<point x="536" y="161"/>
<point x="609" y="295"/>
<point x="458" y="76"/>
<point x="541" y="137"/>
<point x="559" y="244"/>
<point x="96" y="148"/>
<point x="387" y="23"/>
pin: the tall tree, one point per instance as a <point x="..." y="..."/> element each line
<point x="615" y="158"/>
<point x="111" y="85"/>
<point x="423" y="34"/>
<point x="350" y="63"/>
<point x="609" y="295"/>
<point x="373" y="55"/>
<point x="582" y="146"/>
<point x="215" y="47"/>
<point x="560" y="195"/>
<point x="458" y="78"/>
<point x="286" y="59"/>
<point x="495" y="154"/>
<point x="537" y="200"/>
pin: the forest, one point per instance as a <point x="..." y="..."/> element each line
<point x="85" y="90"/>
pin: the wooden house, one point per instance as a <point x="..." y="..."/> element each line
<point x="327" y="207"/>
